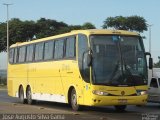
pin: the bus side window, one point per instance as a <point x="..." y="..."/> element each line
<point x="11" y="55"/>
<point x="15" y="55"/>
<point x="48" y="50"/>
<point x="22" y="54"/>
<point x="59" y="49"/>
<point x="29" y="56"/>
<point x="70" y="47"/>
<point x="39" y="51"/>
<point x="154" y="83"/>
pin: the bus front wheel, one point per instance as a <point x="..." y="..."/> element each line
<point x="73" y="101"/>
<point x="120" y="108"/>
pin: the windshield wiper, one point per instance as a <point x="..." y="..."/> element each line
<point x="107" y="84"/>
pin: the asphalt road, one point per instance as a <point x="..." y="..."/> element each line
<point x="10" y="105"/>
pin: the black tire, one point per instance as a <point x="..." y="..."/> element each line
<point x="120" y="108"/>
<point x="73" y="101"/>
<point x="21" y="96"/>
<point x="29" y="96"/>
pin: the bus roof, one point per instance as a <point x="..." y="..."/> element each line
<point x="87" y="32"/>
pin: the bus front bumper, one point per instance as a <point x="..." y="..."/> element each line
<point x="118" y="100"/>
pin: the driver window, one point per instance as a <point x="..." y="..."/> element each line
<point x="154" y="83"/>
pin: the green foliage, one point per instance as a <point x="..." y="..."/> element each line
<point x="117" y="22"/>
<point x="132" y="23"/>
<point x="21" y="31"/>
<point x="85" y="26"/>
<point x="88" y="25"/>
<point x="3" y="37"/>
<point x="48" y="27"/>
<point x="75" y="27"/>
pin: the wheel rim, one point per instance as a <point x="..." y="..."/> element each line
<point x="74" y="99"/>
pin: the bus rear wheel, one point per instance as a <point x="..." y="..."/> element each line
<point x="120" y="108"/>
<point x="73" y="101"/>
<point x="29" y="96"/>
<point x="21" y="95"/>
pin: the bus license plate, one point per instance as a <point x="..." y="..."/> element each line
<point x="122" y="100"/>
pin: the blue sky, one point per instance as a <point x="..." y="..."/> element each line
<point x="81" y="11"/>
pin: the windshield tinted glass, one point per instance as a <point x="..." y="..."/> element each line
<point x="118" y="60"/>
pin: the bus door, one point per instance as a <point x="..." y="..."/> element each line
<point x="84" y="69"/>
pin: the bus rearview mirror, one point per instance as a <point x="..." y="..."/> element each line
<point x="147" y="53"/>
<point x="150" y="63"/>
<point x="150" y="60"/>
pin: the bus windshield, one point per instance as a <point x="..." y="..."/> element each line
<point x="118" y="60"/>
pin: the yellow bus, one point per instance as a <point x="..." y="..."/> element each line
<point x="81" y="68"/>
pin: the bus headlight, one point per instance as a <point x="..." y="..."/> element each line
<point x="141" y="92"/>
<point x="97" y="92"/>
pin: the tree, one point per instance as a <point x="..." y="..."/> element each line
<point x="88" y="25"/>
<point x="117" y="22"/>
<point x="132" y="23"/>
<point x="48" y="27"/>
<point x="3" y="37"/>
<point x="21" y="31"/>
<point x="85" y="26"/>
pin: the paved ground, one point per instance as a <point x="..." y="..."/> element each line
<point x="50" y="110"/>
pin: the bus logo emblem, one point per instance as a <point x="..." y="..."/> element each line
<point x="122" y="93"/>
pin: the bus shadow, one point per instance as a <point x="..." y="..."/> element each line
<point x="62" y="106"/>
<point x="55" y="105"/>
<point x="103" y="110"/>
<point x="106" y="109"/>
